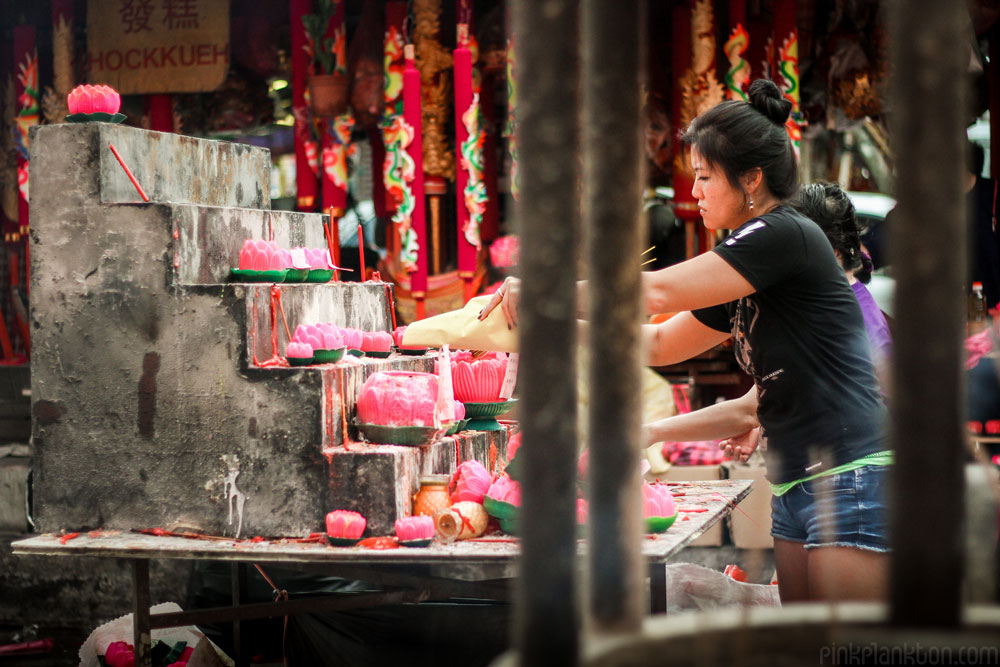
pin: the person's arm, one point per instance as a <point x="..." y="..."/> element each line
<point x="721" y="420"/>
<point x="705" y="280"/>
<point x="678" y="339"/>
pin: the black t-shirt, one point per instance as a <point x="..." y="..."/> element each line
<point x="802" y="337"/>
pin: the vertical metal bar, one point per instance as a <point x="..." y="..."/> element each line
<point x="612" y="207"/>
<point x="239" y="593"/>
<point x="929" y="259"/>
<point x="141" y="637"/>
<point x="546" y="625"/>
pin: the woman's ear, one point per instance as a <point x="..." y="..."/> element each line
<point x="751" y="180"/>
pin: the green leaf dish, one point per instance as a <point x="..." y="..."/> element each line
<point x="99" y="117"/>
<point x="296" y="275"/>
<point x="412" y="352"/>
<point x="482" y="416"/>
<point x="505" y="513"/>
<point x="355" y="353"/>
<point x="328" y="356"/>
<point x="343" y="541"/>
<point x="248" y="276"/>
<point x="378" y="354"/>
<point x="659" y="524"/>
<point x="319" y="275"/>
<point x="409" y="436"/>
<point x="416" y="543"/>
<point x="300" y="361"/>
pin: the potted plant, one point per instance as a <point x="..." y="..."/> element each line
<point x="328" y="48"/>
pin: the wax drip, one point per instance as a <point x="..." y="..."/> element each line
<point x="343" y="409"/>
<point x="233" y="494"/>
<point x="493" y="458"/>
<point x="276" y="359"/>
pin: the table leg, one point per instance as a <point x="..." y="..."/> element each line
<point x="141" y="637"/>
<point x="239" y="593"/>
<point x="657" y="588"/>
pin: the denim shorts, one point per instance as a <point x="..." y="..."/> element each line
<point x="843" y="510"/>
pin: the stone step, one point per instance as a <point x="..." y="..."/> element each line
<point x="151" y="402"/>
<point x="74" y="160"/>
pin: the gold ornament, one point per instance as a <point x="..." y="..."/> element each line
<point x="434" y="63"/>
<point x="54" y="98"/>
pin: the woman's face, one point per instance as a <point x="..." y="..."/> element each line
<point x="721" y="205"/>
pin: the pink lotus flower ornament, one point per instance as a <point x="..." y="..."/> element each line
<point x="93" y="99"/>
<point x="415" y="528"/>
<point x="479" y="380"/>
<point x="505" y="490"/>
<point x="657" y="500"/>
<point x="344" y="524"/>
<point x="376" y="341"/>
<point x="470" y="482"/>
<point x="298" y="258"/>
<point x="398" y="398"/>
<point x="246" y="255"/>
<point x="299" y="350"/>
<point x="352" y="339"/>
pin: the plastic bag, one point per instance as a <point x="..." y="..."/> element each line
<point x="206" y="654"/>
<point x="691" y="586"/>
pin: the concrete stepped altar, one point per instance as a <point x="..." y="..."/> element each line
<point x="153" y="401"/>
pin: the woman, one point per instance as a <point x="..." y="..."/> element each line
<point x="774" y="285"/>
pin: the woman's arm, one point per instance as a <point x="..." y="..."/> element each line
<point x="678" y="339"/>
<point x="721" y="420"/>
<point x="705" y="280"/>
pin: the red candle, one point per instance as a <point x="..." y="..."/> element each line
<point x="463" y="98"/>
<point x="411" y="113"/>
<point x="361" y="252"/>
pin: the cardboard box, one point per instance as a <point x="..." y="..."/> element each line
<point x="712" y="537"/>
<point x="753" y="532"/>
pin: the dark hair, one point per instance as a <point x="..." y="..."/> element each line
<point x="830" y="208"/>
<point x="739" y="136"/>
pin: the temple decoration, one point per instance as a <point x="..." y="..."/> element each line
<point x="699" y="91"/>
<point x="411" y="113"/>
<point x="392" y="94"/>
<point x="434" y="63"/>
<point x="337" y="147"/>
<point x="306" y="146"/>
<point x="510" y="130"/>
<point x="787" y="65"/>
<point x="54" y="99"/>
<point x="399" y="174"/>
<point x="26" y="59"/>
<point x="474" y="193"/>
<point x="738" y="74"/>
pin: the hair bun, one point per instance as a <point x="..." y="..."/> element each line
<point x="767" y="99"/>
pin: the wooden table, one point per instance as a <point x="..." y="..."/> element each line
<point x="472" y="568"/>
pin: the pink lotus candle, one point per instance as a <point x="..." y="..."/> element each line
<point x="345" y="525"/>
<point x="505" y="490"/>
<point x="415" y="528"/>
<point x="376" y="341"/>
<point x="463" y="100"/>
<point x="412" y="115"/>
<point x="470" y="482"/>
<point x="478" y="380"/>
<point x="93" y="99"/>
<point x="398" y="398"/>
<point x="657" y="500"/>
<point x="299" y="351"/>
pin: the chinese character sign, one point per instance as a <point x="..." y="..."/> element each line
<point x="158" y="46"/>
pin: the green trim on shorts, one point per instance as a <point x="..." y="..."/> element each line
<point x="883" y="458"/>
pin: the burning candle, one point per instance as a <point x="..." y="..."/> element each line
<point x="412" y="115"/>
<point x="463" y="100"/>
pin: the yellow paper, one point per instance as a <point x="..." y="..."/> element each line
<point x="462" y="329"/>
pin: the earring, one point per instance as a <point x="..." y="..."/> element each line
<point x="751" y="203"/>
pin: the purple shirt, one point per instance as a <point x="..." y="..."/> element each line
<point x="875" y="323"/>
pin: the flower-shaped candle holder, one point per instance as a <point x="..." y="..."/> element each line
<point x="415" y="531"/>
<point x="344" y="528"/>
<point x="88" y="103"/>
<point x="483" y="416"/>
<point x="503" y="502"/>
<point x="658" y="507"/>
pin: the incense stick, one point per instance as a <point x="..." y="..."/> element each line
<point x="128" y="172"/>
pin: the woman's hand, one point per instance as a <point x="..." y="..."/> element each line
<point x="740" y="447"/>
<point x="507" y="297"/>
